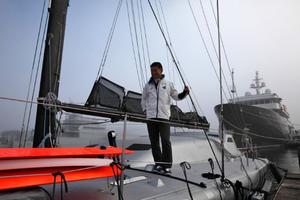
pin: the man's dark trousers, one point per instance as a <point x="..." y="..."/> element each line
<point x="160" y="130"/>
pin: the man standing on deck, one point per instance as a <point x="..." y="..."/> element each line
<point x="156" y="103"/>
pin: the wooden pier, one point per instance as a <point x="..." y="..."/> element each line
<point x="290" y="188"/>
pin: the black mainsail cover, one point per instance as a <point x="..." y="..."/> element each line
<point x="108" y="98"/>
<point x="106" y="93"/>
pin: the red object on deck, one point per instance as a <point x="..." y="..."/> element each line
<point x="14" y="179"/>
<point x="59" y="152"/>
<point x="35" y="166"/>
<point x="18" y="164"/>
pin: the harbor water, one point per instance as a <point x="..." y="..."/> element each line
<point x="286" y="158"/>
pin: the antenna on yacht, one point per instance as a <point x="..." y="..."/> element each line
<point x="221" y="125"/>
<point x="257" y="85"/>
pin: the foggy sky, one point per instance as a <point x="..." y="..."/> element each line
<point x="259" y="35"/>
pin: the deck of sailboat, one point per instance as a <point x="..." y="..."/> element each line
<point x="148" y="189"/>
<point x="190" y="147"/>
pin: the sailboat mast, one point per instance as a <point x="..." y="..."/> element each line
<point x="50" y="77"/>
<point x="221" y="129"/>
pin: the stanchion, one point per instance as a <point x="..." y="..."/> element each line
<point x="123" y="151"/>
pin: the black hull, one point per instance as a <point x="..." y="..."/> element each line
<point x="265" y="127"/>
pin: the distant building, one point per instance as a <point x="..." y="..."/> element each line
<point x="11" y="138"/>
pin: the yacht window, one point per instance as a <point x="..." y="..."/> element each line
<point x="229" y="139"/>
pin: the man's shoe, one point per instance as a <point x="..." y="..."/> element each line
<point x="157" y="169"/>
<point x="167" y="171"/>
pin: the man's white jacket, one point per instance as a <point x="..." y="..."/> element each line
<point x="156" y="98"/>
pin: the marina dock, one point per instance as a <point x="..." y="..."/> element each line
<point x="290" y="188"/>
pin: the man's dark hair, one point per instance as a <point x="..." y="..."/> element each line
<point x="156" y="64"/>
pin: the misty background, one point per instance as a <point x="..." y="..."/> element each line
<point x="258" y="35"/>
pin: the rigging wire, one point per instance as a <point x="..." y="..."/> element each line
<point x="132" y="45"/>
<point x="164" y="21"/>
<point x="168" y="64"/>
<point x="109" y="39"/>
<point x="221" y="93"/>
<point x="214" y="46"/>
<point x="137" y="41"/>
<point x="31" y="73"/>
<point x="160" y="15"/>
<point x="226" y="57"/>
<point x="222" y="43"/>
<point x="36" y="78"/>
<point x="225" y="54"/>
<point x="170" y="50"/>
<point x="142" y="38"/>
<point x="145" y="31"/>
<point x="206" y="47"/>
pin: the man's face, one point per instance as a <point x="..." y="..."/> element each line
<point x="156" y="72"/>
